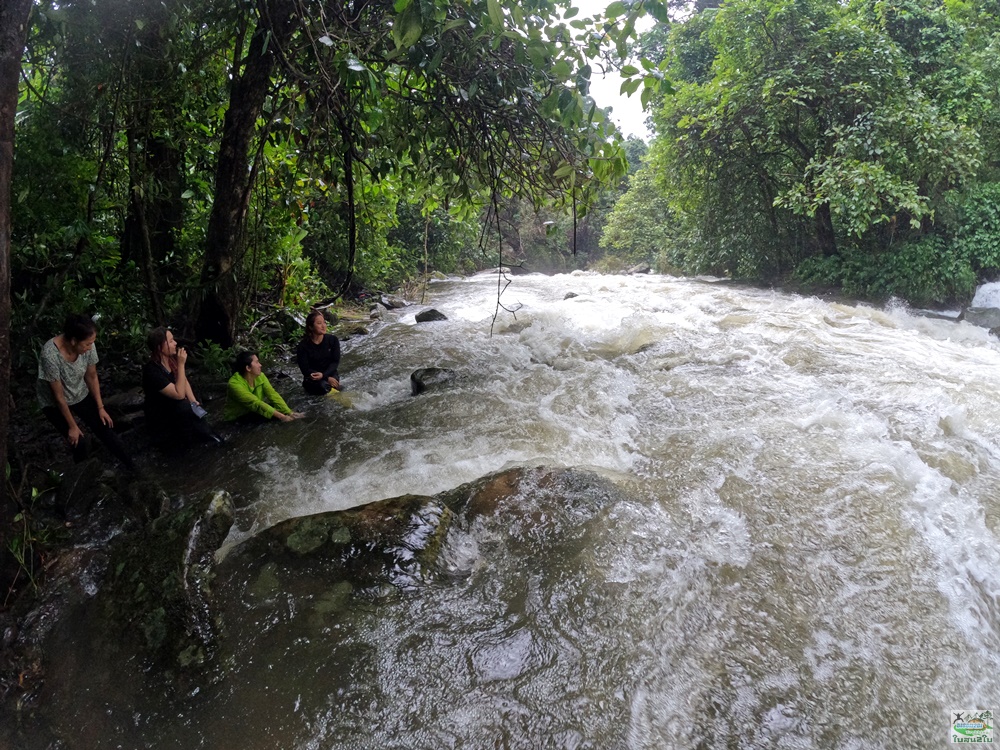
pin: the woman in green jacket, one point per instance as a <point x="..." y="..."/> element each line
<point x="250" y="396"/>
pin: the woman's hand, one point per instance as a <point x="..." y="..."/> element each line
<point x="75" y="433"/>
<point x="315" y="376"/>
<point x="334" y="383"/>
<point x="105" y="417"/>
<point x="182" y="355"/>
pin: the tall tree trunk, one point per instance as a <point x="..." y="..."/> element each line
<point x="140" y="233"/>
<point x="13" y="32"/>
<point x="825" y="236"/>
<point x="226" y="232"/>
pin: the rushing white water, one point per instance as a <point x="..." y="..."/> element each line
<point x="803" y="554"/>
<point x="987" y="295"/>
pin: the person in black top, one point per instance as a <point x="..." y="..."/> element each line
<point x="174" y="416"/>
<point x="318" y="355"/>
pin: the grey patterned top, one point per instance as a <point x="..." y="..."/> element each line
<point x="52" y="366"/>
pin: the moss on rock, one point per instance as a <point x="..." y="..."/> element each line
<point x="160" y="583"/>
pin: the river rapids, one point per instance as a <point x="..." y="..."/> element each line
<point x="798" y="549"/>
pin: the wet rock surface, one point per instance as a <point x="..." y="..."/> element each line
<point x="396" y="542"/>
<point x="159" y="589"/>
<point x="429" y="316"/>
<point x="135" y="587"/>
<point x="984" y="317"/>
<point x="152" y="620"/>
<point x="430" y="377"/>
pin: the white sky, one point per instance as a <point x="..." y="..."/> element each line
<point x="626" y="112"/>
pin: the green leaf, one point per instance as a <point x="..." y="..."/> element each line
<point x="631" y="86"/>
<point x="570" y="13"/>
<point x="628" y="71"/>
<point x="647" y="94"/>
<point x="401" y="5"/>
<point x="657" y="10"/>
<point x="561" y="70"/>
<point x="408" y="27"/>
<point x="436" y="60"/>
<point x="496" y="13"/>
<point x="616" y="9"/>
<point x="538" y="53"/>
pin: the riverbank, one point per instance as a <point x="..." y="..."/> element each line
<point x="69" y="512"/>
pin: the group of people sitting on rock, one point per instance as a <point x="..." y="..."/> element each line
<point x="68" y="388"/>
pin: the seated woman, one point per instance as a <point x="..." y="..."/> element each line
<point x="250" y="396"/>
<point x="68" y="387"/>
<point x="318" y="355"/>
<point x="174" y="416"/>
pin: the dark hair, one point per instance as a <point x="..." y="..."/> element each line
<point x="243" y="361"/>
<point x="78" y="327"/>
<point x="310" y="318"/>
<point x="155" y="338"/>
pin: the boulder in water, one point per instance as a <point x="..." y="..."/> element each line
<point x="379" y="548"/>
<point x="984" y="317"/>
<point x="160" y="586"/>
<point x="430" y="314"/>
<point x="425" y="377"/>
<point x="392" y="302"/>
<point x="348" y="329"/>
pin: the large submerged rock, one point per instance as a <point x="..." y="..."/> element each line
<point x="158" y="602"/>
<point x="430" y="377"/>
<point x="392" y="545"/>
<point x="984" y="317"/>
<point x="159" y="587"/>
<point x="430" y="315"/>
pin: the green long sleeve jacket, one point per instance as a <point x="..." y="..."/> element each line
<point x="262" y="399"/>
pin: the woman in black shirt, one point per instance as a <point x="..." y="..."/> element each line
<point x="318" y="355"/>
<point x="174" y="417"/>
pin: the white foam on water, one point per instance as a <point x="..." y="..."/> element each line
<point x="813" y="528"/>
<point x="987" y="295"/>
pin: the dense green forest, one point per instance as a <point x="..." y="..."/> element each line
<point x="205" y="164"/>
<point x="848" y="145"/>
<point x="196" y="163"/>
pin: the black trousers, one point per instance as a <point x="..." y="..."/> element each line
<point x="316" y="387"/>
<point x="87" y="411"/>
<point x="175" y="428"/>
